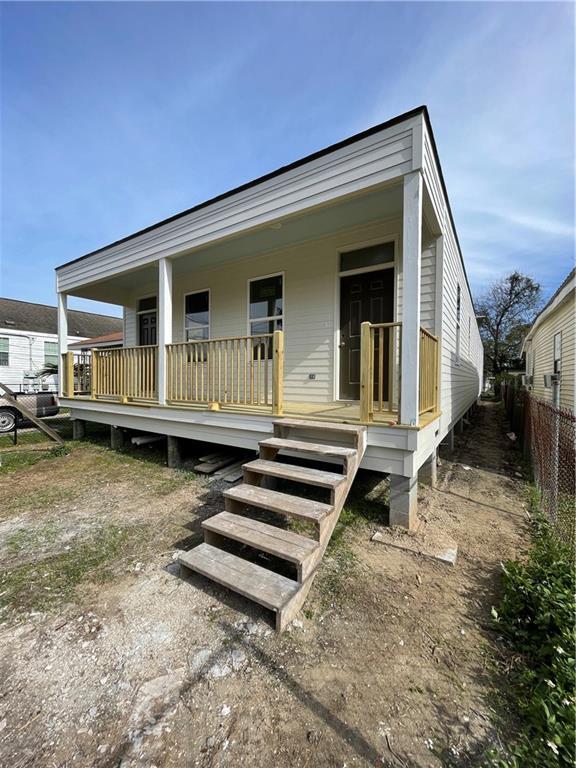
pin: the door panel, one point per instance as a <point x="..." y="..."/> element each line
<point x="147" y="329"/>
<point x="369" y="296"/>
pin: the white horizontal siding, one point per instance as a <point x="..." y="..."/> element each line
<point x="461" y="363"/>
<point x="540" y="360"/>
<point x="26" y="354"/>
<point x="366" y="163"/>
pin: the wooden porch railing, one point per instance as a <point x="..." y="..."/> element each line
<point x="429" y="364"/>
<point x="127" y="373"/>
<point x="238" y="370"/>
<point x="380" y="353"/>
<point x="380" y="370"/>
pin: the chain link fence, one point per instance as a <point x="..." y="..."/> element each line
<point x="547" y="436"/>
<point x="17" y="430"/>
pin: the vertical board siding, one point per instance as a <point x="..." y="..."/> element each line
<point x="541" y="352"/>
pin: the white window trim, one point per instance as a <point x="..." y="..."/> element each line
<point x="7" y="339"/>
<point x="393" y="237"/>
<point x="272" y="317"/>
<point x="54" y="355"/>
<point x="191" y="293"/>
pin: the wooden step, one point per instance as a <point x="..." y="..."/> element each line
<point x="265" y="587"/>
<point x="268" y="538"/>
<point x="325" y="426"/>
<point x="283" y="503"/>
<point x="305" y="475"/>
<point x="314" y="449"/>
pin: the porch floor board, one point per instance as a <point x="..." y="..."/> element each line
<point x="335" y="411"/>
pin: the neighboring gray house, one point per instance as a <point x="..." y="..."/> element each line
<point x="29" y="340"/>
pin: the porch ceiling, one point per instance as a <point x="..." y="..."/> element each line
<point x="318" y="222"/>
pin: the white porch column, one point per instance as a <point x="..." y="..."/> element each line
<point x="62" y="337"/>
<point x="164" y="322"/>
<point x="411" y="261"/>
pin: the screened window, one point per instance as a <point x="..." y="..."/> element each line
<point x="371" y="256"/>
<point x="4" y="351"/>
<point x="266" y="305"/>
<point x="50" y="353"/>
<point x="197" y="316"/>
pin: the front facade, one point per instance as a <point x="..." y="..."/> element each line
<point x="29" y="341"/>
<point x="332" y="290"/>
<point x="550" y="349"/>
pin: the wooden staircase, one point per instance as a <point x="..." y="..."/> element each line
<point x="276" y="592"/>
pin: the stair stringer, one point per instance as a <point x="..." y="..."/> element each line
<point x="338" y="497"/>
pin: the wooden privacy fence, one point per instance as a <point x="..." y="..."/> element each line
<point x="238" y="370"/>
<point x="428" y="391"/>
<point x="128" y="373"/>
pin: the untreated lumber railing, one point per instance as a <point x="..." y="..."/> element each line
<point x="76" y="372"/>
<point x="238" y="370"/>
<point x="127" y="373"/>
<point x="381" y="371"/>
<point x="428" y="375"/>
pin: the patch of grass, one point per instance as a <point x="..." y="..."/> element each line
<point x="45" y="585"/>
<point x="9" y="462"/>
<point x="43" y="499"/>
<point x="31" y="538"/>
<point x="536" y="619"/>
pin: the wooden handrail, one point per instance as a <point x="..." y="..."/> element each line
<point x="428" y="373"/>
<point x="232" y="370"/>
<point x="380" y="370"/>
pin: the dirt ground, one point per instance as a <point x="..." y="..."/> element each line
<point x="112" y="657"/>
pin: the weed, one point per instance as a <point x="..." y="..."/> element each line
<point x="536" y="619"/>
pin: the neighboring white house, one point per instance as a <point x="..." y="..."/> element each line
<point x="29" y="340"/>
<point x="550" y="348"/>
<point x="326" y="302"/>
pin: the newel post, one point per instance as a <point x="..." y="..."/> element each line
<point x="278" y="373"/>
<point x="94" y="373"/>
<point x="366" y="373"/>
<point x="69" y="374"/>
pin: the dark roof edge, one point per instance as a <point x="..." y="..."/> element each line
<point x="557" y="292"/>
<point x="51" y="306"/>
<point x="261" y="179"/>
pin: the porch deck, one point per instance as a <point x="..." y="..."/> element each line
<point x="337" y="411"/>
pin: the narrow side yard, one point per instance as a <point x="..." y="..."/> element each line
<point x="111" y="657"/>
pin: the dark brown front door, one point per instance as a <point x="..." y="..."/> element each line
<point x="147" y="329"/>
<point x="365" y="297"/>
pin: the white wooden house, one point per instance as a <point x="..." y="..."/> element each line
<point x="550" y="348"/>
<point x="29" y="341"/>
<point x="326" y="302"/>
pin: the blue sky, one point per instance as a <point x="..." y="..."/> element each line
<point x="116" y="115"/>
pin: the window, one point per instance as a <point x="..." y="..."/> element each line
<point x="370" y="256"/>
<point x="197" y="316"/>
<point x="266" y="305"/>
<point x="558" y="352"/>
<point x="4" y="351"/>
<point x="147" y="305"/>
<point x="50" y="353"/>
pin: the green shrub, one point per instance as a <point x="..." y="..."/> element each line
<point x="536" y="619"/>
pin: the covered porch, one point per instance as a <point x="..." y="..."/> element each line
<point x="246" y="374"/>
